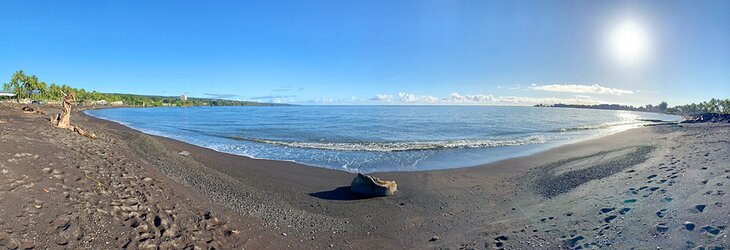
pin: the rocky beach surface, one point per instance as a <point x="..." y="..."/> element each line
<point x="660" y="186"/>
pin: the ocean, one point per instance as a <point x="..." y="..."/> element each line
<point x="378" y="138"/>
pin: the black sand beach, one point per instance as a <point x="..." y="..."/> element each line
<point x="661" y="186"/>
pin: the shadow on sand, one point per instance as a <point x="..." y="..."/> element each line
<point x="340" y="194"/>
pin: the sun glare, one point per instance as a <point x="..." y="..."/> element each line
<point x="628" y="42"/>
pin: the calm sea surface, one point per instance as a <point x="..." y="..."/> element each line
<point x="378" y="138"/>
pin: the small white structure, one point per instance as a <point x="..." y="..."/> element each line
<point x="184" y="97"/>
<point x="117" y="103"/>
<point x="7" y="94"/>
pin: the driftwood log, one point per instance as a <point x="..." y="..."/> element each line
<point x="372" y="186"/>
<point x="63" y="120"/>
<point x="84" y="133"/>
<point x="29" y="110"/>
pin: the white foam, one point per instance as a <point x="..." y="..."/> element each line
<point x="405" y="146"/>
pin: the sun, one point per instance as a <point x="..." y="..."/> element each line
<point x="628" y="42"/>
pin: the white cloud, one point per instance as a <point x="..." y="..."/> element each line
<point x="382" y="98"/>
<point x="411" y="98"/>
<point x="548" y="100"/>
<point x="323" y="100"/>
<point x="457" y="98"/>
<point x="479" y="99"/>
<point x="330" y="100"/>
<point x="582" y="89"/>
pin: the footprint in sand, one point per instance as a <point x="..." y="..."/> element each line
<point x="689" y="226"/>
<point x="712" y="230"/>
<point x="573" y="241"/>
<point x="499" y="241"/>
<point x="700" y="208"/>
<point x="609" y="218"/>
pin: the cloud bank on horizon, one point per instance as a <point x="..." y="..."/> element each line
<point x="476" y="99"/>
<point x="583" y="89"/>
<point x="580" y="94"/>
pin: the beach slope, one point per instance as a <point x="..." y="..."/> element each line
<point x="655" y="186"/>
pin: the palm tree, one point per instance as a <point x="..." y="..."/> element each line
<point x="55" y="92"/>
<point x="725" y="104"/>
<point x="16" y="84"/>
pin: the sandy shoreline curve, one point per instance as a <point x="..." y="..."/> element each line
<point x="605" y="192"/>
<point x="523" y="151"/>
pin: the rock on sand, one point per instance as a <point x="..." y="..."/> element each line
<point x="369" y="185"/>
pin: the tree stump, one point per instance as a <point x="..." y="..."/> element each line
<point x="372" y="186"/>
<point x="63" y="120"/>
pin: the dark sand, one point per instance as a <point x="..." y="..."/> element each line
<point x="661" y="186"/>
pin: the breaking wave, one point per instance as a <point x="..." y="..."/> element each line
<point x="602" y="126"/>
<point x="400" y="146"/>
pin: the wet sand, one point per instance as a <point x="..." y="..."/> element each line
<point x="660" y="186"/>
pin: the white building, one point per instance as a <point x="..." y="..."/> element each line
<point x="184" y="97"/>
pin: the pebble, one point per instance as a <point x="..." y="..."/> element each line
<point x="434" y="238"/>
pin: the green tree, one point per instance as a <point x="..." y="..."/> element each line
<point x="65" y="89"/>
<point x="42" y="88"/>
<point x="31" y="84"/>
<point x="725" y="105"/>
<point x="55" y="92"/>
<point x="16" y="85"/>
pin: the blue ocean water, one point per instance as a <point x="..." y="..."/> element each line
<point x="378" y="138"/>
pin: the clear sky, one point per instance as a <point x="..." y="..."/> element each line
<point x="377" y="52"/>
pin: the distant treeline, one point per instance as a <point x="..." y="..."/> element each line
<point x="717" y="106"/>
<point x="29" y="87"/>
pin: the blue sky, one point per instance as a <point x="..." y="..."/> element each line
<point x="374" y="52"/>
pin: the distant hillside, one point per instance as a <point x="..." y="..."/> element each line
<point x="29" y="87"/>
<point x="150" y="100"/>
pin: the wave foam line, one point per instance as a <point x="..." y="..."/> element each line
<point x="600" y="126"/>
<point x="400" y="146"/>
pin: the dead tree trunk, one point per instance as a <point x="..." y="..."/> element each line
<point x="63" y="120"/>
